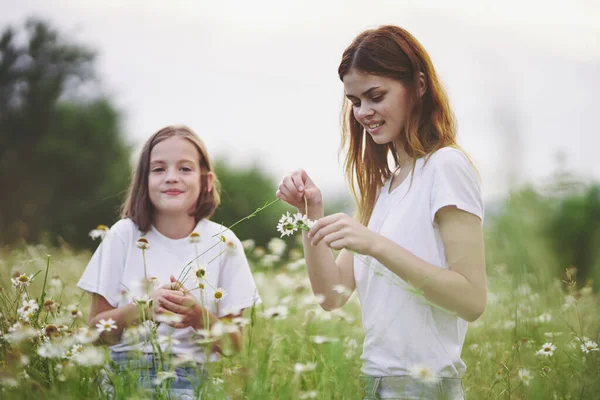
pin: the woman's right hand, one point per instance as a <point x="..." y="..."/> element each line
<point x="294" y="187"/>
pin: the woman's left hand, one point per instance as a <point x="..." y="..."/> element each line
<point x="340" y="231"/>
<point x="184" y="304"/>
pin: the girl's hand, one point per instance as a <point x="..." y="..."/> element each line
<point x="339" y="231"/>
<point x="182" y="303"/>
<point x="294" y="187"/>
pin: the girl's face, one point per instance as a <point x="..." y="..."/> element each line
<point x="380" y="104"/>
<point x="174" y="179"/>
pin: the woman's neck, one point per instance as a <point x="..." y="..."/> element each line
<point x="174" y="226"/>
<point x="404" y="160"/>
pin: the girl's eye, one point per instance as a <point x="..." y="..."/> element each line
<point x="377" y="99"/>
<point x="158" y="169"/>
<point x="186" y="169"/>
<point x="357" y="104"/>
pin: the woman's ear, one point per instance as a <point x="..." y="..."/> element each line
<point x="422" y="84"/>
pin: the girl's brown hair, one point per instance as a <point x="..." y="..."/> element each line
<point x="392" y="52"/>
<point x="138" y="206"/>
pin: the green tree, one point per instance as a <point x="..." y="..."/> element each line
<point x="574" y="231"/>
<point x="242" y="192"/>
<point x="63" y="160"/>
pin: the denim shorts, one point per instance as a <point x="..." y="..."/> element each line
<point x="406" y="387"/>
<point x="186" y="385"/>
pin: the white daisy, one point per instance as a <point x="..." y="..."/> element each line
<point x="194" y="237"/>
<point x="547" y="350"/>
<point x="424" y="374"/>
<point x="524" y="376"/>
<point x="276" y="246"/>
<point x="21" y="281"/>
<point x="106" y="325"/>
<point x="545" y="317"/>
<point x="589" y="346"/>
<point x="100" y="232"/>
<point x="286" y="225"/>
<point x="219" y="294"/>
<point x="142" y="243"/>
<point x="300" y="368"/>
<point x="248" y="244"/>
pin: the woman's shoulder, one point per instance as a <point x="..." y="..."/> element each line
<point x="448" y="155"/>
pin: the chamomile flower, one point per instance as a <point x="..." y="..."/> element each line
<point x="21" y="281"/>
<point x="545" y="317"/>
<point x="142" y="243"/>
<point x="100" y="232"/>
<point x="89" y="356"/>
<point x="286" y="225"/>
<point x="248" y="244"/>
<point x="524" y="376"/>
<point x="106" y="325"/>
<point x="219" y="294"/>
<point x="301" y="368"/>
<point x="200" y="271"/>
<point x="547" y="350"/>
<point x="74" y="311"/>
<point x="194" y="237"/>
<point x="276" y="246"/>
<point x="162" y="376"/>
<point x="424" y="374"/>
<point x="589" y="346"/>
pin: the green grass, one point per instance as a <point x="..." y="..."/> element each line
<point x="505" y="340"/>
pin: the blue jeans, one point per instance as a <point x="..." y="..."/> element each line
<point x="186" y="385"/>
<point x="406" y="387"/>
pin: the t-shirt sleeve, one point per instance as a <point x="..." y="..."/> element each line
<point x="236" y="278"/>
<point x="455" y="183"/>
<point x="104" y="272"/>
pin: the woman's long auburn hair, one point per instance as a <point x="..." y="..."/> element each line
<point x="392" y="52"/>
<point x="137" y="204"/>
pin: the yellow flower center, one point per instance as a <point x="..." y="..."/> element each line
<point x="218" y="295"/>
<point x="23" y="278"/>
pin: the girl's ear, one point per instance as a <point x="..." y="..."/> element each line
<point x="210" y="178"/>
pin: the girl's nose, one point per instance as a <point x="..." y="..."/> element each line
<point x="172" y="175"/>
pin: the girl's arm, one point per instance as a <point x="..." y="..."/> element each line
<point x="123" y="316"/>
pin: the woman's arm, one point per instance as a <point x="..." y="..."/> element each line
<point x="462" y="287"/>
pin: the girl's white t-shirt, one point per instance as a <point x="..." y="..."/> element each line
<point x="116" y="271"/>
<point x="403" y="330"/>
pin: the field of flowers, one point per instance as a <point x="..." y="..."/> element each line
<point x="530" y="343"/>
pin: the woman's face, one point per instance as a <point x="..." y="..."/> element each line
<point x="380" y="104"/>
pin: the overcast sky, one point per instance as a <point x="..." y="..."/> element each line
<point x="257" y="79"/>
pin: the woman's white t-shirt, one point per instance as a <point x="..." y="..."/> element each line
<point x="403" y="330"/>
<point x="116" y="271"/>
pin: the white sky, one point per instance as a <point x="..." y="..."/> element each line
<point x="257" y="79"/>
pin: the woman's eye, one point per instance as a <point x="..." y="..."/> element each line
<point x="357" y="104"/>
<point x="377" y="99"/>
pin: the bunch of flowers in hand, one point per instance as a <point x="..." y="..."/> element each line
<point x="288" y="224"/>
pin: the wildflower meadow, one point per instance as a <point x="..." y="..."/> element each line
<point x="534" y="341"/>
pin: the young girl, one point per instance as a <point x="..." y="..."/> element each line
<point x="415" y="251"/>
<point x="138" y="272"/>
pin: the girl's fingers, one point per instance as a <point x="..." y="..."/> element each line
<point x="171" y="306"/>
